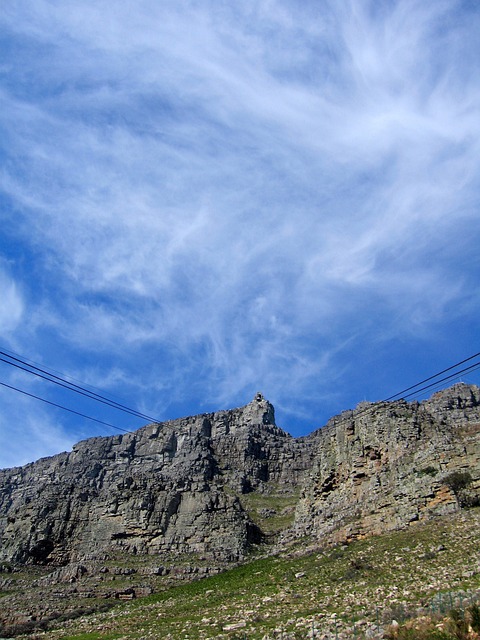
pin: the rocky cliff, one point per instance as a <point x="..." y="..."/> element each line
<point x="170" y="488"/>
<point x="390" y="465"/>
<point x="188" y="486"/>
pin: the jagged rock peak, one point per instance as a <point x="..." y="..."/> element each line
<point x="260" y="410"/>
<point x="458" y="397"/>
<point x="215" y="424"/>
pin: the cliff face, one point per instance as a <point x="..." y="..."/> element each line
<point x="167" y="488"/>
<point x="387" y="465"/>
<point x="183" y="486"/>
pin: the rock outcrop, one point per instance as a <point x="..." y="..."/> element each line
<point x="181" y="487"/>
<point x="170" y="488"/>
<point x="389" y="465"/>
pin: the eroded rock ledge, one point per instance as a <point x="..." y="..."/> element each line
<point x="388" y="465"/>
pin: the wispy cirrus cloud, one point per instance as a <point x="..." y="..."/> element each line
<point x="12" y="306"/>
<point x="36" y="436"/>
<point x="238" y="197"/>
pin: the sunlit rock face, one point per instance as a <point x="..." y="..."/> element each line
<point x="167" y="488"/>
<point x="387" y="465"/>
<point x="178" y="487"/>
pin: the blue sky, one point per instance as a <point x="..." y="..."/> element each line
<point x="201" y="200"/>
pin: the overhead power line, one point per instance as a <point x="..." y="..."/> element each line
<point x="454" y="366"/>
<point x="457" y="374"/>
<point x="43" y="373"/>
<point x="66" y="384"/>
<point x="54" y="404"/>
<point x="416" y="389"/>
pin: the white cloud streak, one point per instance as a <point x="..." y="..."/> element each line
<point x="241" y="186"/>
<point x="34" y="436"/>
<point x="12" y="306"/>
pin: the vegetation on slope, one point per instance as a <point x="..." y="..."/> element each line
<point x="307" y="591"/>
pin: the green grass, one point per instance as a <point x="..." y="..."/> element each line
<point x="92" y="636"/>
<point x="282" y="507"/>
<point x="368" y="580"/>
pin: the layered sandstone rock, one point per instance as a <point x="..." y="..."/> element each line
<point x="178" y="487"/>
<point x="167" y="488"/>
<point x="387" y="465"/>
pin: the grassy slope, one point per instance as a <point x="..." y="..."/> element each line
<point x="307" y="587"/>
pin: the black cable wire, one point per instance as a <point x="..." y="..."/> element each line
<point x="62" y="382"/>
<point x="54" y="404"/>
<point x="28" y="368"/>
<point x="472" y="367"/>
<point x="438" y="384"/>
<point x="454" y="366"/>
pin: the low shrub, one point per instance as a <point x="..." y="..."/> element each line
<point x="458" y="625"/>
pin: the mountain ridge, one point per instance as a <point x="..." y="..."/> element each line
<point x="189" y="497"/>
<point x="158" y="488"/>
<point x="178" y="485"/>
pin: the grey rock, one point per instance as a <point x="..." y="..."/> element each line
<point x="167" y="488"/>
<point x="383" y="466"/>
<point x="177" y="488"/>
